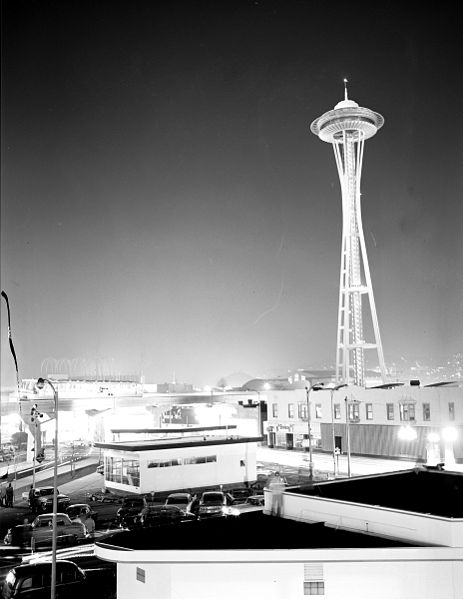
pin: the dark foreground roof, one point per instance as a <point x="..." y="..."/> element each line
<point x="438" y="493"/>
<point x="247" y="531"/>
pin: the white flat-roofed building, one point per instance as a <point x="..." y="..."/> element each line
<point x="321" y="546"/>
<point x="265" y="556"/>
<point x="177" y="463"/>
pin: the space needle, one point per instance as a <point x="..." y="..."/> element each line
<point x="346" y="128"/>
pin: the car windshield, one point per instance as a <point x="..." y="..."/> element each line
<point x="177" y="500"/>
<point x="213" y="499"/>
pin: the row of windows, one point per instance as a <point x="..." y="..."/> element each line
<point x="406" y="411"/>
<point x="126" y="472"/>
<point x="182" y="461"/>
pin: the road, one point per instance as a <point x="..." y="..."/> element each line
<point x="323" y="462"/>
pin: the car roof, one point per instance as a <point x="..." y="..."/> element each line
<point x="44" y="516"/>
<point x="31" y="568"/>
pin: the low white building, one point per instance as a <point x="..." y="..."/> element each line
<point x="396" y="535"/>
<point x="178" y="463"/>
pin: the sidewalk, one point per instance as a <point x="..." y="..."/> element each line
<point x="323" y="462"/>
<point x="44" y="477"/>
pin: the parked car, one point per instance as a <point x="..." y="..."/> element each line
<point x="44" y="499"/>
<point x="7" y="562"/>
<point x="185" y="501"/>
<point x="240" y="494"/>
<point x="33" y="581"/>
<point x="154" y="515"/>
<point x="257" y="499"/>
<point x="40" y="532"/>
<point x="215" y="503"/>
<point x="82" y="511"/>
<point x="130" y="511"/>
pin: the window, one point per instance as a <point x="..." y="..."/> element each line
<point x="290" y="410"/>
<point x="318" y="410"/>
<point x="164" y="463"/>
<point x="451" y="410"/>
<point x="390" y="411"/>
<point x="141" y="574"/>
<point x="200" y="460"/>
<point x="354" y="411"/>
<point x="369" y="411"/>
<point x="302" y="410"/>
<point x="314" y="587"/>
<point x="123" y="471"/>
<point x="275" y="410"/>
<point x="426" y="411"/>
<point x="407" y="411"/>
<point x="337" y="411"/>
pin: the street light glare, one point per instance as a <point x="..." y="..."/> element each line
<point x="449" y="433"/>
<point x="407" y="433"/>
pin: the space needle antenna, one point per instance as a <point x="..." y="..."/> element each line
<point x="346" y="128"/>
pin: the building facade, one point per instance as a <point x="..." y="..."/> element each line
<point x="424" y="423"/>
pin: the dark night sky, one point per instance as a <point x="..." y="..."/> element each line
<point x="166" y="208"/>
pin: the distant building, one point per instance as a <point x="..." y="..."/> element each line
<point x="411" y="421"/>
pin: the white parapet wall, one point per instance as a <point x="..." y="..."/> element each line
<point x="386" y="522"/>
<point x="382" y="573"/>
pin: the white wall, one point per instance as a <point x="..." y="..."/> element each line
<point x="419" y="528"/>
<point x="226" y="470"/>
<point x="348" y="579"/>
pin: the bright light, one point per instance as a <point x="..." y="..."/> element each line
<point x="407" y="433"/>
<point x="449" y="433"/>
<point x="267" y="386"/>
<point x="207" y="388"/>
<point x="433" y="438"/>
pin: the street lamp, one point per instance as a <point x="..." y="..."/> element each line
<point x="348" y="403"/>
<point x="40" y="385"/>
<point x="316" y="387"/>
<point x="332" y="390"/>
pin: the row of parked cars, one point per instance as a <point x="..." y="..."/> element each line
<point x="136" y="511"/>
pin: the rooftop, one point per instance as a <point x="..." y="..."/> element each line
<point x="438" y="493"/>
<point x="251" y="531"/>
<point x="176" y="442"/>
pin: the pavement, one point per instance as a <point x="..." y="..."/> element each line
<point x="324" y="465"/>
<point x="68" y="474"/>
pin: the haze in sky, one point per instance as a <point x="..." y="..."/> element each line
<point x="165" y="207"/>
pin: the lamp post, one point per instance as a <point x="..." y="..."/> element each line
<point x="40" y="385"/>
<point x="332" y="390"/>
<point x="316" y="386"/>
<point x="348" y="403"/>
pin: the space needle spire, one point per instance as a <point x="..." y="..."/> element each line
<point x="346" y="128"/>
